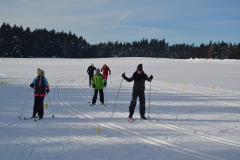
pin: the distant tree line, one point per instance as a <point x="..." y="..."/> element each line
<point x="17" y="42"/>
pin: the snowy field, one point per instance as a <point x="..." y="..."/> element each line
<point x="194" y="111"/>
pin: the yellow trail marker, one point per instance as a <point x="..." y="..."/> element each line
<point x="184" y="84"/>
<point x="166" y="81"/>
<point x="46" y="105"/>
<point x="98" y="129"/>
<point x="212" y="87"/>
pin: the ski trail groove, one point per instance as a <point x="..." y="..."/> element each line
<point x="186" y="131"/>
<point x="149" y="140"/>
<point x="208" y="94"/>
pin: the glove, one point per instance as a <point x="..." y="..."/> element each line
<point x="151" y="77"/>
<point x="47" y="90"/>
<point x="104" y="84"/>
<point x="123" y="75"/>
<point x="32" y="85"/>
<point x="93" y="85"/>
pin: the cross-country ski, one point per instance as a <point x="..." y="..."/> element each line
<point x="26" y="118"/>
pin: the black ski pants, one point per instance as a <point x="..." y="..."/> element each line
<point x="90" y="79"/>
<point x="95" y="96"/>
<point x="133" y="103"/>
<point x="38" y="106"/>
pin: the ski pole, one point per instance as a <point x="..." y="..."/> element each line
<point x="117" y="97"/>
<point x="149" y="100"/>
<point x="110" y="78"/>
<point x="25" y="103"/>
<point x="105" y="96"/>
<point x="84" y="79"/>
<point x="91" y="95"/>
<point x="50" y="105"/>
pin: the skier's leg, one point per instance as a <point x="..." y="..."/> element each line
<point x="95" y="96"/>
<point x="41" y="108"/>
<point x="90" y="80"/>
<point x="35" y="107"/>
<point x="105" y="78"/>
<point x="91" y="77"/>
<point x="142" y="103"/>
<point x="101" y="95"/>
<point x="133" y="103"/>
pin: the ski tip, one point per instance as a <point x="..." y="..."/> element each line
<point x="129" y="120"/>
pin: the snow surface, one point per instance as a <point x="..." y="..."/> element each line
<point x="194" y="111"/>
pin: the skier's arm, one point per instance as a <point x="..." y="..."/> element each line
<point x="109" y="71"/>
<point x="88" y="70"/>
<point x="129" y="79"/>
<point x="126" y="78"/>
<point x="46" y="82"/>
<point x="149" y="79"/>
<point x="33" y="83"/>
<point x="47" y="85"/>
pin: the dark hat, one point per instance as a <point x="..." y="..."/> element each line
<point x="97" y="70"/>
<point x="140" y="67"/>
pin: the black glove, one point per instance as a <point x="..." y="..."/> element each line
<point x="151" y="77"/>
<point x="104" y="84"/>
<point x="32" y="85"/>
<point x="123" y="75"/>
<point x="47" y="90"/>
<point x="93" y="85"/>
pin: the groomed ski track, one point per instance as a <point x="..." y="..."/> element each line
<point x="72" y="133"/>
<point x="154" y="143"/>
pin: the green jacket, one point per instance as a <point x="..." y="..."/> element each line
<point x="98" y="81"/>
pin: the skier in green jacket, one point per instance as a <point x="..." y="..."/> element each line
<point x="98" y="84"/>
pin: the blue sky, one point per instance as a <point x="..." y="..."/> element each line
<point x="177" y="21"/>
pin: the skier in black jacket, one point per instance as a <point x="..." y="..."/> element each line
<point x="139" y="78"/>
<point x="90" y="72"/>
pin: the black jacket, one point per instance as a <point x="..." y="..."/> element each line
<point x="90" y="70"/>
<point x="139" y="81"/>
